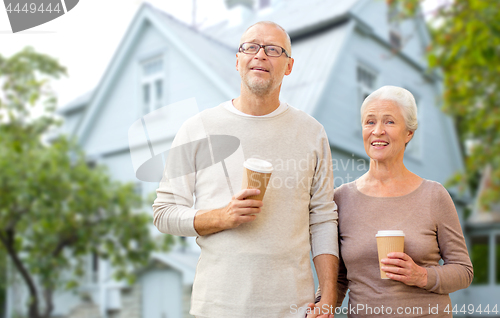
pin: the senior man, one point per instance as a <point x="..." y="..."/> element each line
<point x="254" y="258"/>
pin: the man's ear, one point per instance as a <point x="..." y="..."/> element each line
<point x="289" y="66"/>
<point x="237" y="62"/>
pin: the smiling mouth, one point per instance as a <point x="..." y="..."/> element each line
<point x="259" y="69"/>
<point x="379" y="143"/>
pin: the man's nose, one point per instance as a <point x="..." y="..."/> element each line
<point x="261" y="54"/>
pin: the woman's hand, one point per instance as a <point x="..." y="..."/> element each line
<point x="406" y="271"/>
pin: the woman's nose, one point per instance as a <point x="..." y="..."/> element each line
<point x="378" y="129"/>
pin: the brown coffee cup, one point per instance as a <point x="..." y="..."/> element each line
<point x="388" y="242"/>
<point x="256" y="175"/>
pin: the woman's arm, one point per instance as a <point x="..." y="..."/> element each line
<point x="342" y="283"/>
<point x="456" y="273"/>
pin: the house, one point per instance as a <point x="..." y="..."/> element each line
<point x="483" y="239"/>
<point x="343" y="50"/>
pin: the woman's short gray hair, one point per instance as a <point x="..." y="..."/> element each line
<point x="402" y="97"/>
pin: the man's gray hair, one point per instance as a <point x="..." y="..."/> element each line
<point x="402" y="97"/>
<point x="288" y="44"/>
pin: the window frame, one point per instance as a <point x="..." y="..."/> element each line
<point x="150" y="81"/>
<point x="492" y="237"/>
<point x="363" y="91"/>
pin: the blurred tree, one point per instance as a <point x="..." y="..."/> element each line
<point x="55" y="210"/>
<point x="466" y="48"/>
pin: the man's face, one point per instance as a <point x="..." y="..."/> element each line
<point x="260" y="73"/>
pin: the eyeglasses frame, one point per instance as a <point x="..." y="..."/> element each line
<point x="263" y="47"/>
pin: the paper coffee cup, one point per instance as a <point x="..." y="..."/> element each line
<point x="387" y="242"/>
<point x="256" y="175"/>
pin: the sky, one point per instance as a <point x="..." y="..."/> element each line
<point x="85" y="39"/>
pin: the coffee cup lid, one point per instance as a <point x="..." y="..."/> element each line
<point x="390" y="233"/>
<point x="258" y="165"/>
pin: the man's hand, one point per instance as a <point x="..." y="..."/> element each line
<point x="319" y="310"/>
<point x="237" y="212"/>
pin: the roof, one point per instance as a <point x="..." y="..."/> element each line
<point x="213" y="52"/>
<point x="147" y="14"/>
<point x="315" y="57"/>
<point x="311" y="69"/>
<point x="297" y="17"/>
<point x="182" y="261"/>
<point x="77" y="103"/>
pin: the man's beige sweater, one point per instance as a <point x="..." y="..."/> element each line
<point x="261" y="268"/>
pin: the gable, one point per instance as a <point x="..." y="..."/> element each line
<point x="121" y="103"/>
<point x="148" y="18"/>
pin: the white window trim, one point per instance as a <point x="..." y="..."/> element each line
<point x="362" y="90"/>
<point x="151" y="81"/>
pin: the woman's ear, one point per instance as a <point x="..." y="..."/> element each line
<point x="410" y="136"/>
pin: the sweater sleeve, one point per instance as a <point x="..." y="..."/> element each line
<point x="457" y="272"/>
<point x="323" y="217"/>
<point x="172" y="209"/>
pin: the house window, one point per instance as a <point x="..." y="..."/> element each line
<point x="394" y="17"/>
<point x="152" y="84"/>
<point x="367" y="81"/>
<point x="480" y="259"/>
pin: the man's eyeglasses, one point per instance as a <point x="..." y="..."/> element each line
<point x="270" y="50"/>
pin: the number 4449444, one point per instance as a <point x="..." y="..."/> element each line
<point x="33" y="7"/>
<point x="471" y="309"/>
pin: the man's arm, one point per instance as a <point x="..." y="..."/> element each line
<point x="237" y="212"/>
<point x="327" y="268"/>
<point x="323" y="227"/>
<point x="173" y="211"/>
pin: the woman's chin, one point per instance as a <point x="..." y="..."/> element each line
<point x="378" y="156"/>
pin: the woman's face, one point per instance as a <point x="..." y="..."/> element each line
<point x="384" y="131"/>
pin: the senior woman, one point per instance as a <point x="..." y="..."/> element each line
<point x="391" y="197"/>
